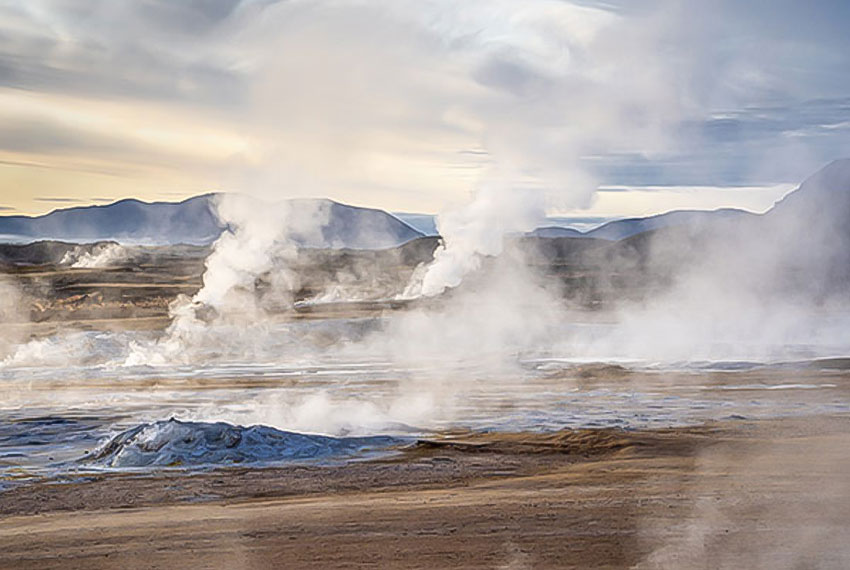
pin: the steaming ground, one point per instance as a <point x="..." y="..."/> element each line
<point x="65" y="396"/>
<point x="125" y="372"/>
<point x="494" y="422"/>
<point x="286" y="370"/>
<point x="502" y="353"/>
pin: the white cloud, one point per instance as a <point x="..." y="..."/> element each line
<point x="376" y="101"/>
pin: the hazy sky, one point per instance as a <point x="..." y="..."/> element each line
<point x="409" y="104"/>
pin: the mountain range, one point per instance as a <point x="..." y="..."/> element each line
<point x="191" y="221"/>
<point x="194" y="221"/>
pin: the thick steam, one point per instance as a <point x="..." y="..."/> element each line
<point x="94" y="257"/>
<point x="473" y="232"/>
<point x="247" y="275"/>
<point x="526" y="94"/>
<point x="13" y="317"/>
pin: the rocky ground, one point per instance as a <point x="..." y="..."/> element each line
<point x="770" y="494"/>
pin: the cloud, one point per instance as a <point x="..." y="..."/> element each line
<point x="533" y="86"/>
<point x="148" y="50"/>
<point x="406" y="104"/>
<point x="760" y="145"/>
<point x="55" y="199"/>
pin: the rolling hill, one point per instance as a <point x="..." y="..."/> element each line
<point x="194" y="221"/>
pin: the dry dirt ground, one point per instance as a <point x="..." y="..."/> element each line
<point x="771" y="494"/>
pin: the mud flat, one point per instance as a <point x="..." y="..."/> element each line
<point x="736" y="494"/>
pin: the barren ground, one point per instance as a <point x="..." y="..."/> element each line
<point x="771" y="494"/>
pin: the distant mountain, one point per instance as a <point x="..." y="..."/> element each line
<point x="621" y="229"/>
<point x="353" y="227"/>
<point x="797" y="251"/>
<point x="423" y="223"/>
<point x="572" y="226"/>
<point x="191" y="221"/>
<point x="580" y="223"/>
<point x="824" y="197"/>
<point x="560" y="227"/>
<point x="555" y="232"/>
<point x="616" y="230"/>
<point x="194" y="221"/>
<point x="812" y="226"/>
<point x="817" y="211"/>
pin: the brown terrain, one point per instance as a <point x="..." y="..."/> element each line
<point x="736" y="494"/>
<point x="136" y="290"/>
<point x="770" y="494"/>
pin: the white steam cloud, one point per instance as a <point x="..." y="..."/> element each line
<point x="247" y="275"/>
<point x="507" y="101"/>
<point x="13" y="316"/>
<point x="473" y="232"/>
<point x="572" y="83"/>
<point x="94" y="257"/>
<point x="513" y="99"/>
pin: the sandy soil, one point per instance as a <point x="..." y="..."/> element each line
<point x="732" y="495"/>
<point x="772" y="494"/>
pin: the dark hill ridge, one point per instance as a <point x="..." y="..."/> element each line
<point x="194" y="221"/>
<point x="44" y="252"/>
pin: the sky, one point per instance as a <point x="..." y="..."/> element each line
<point x="609" y="107"/>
